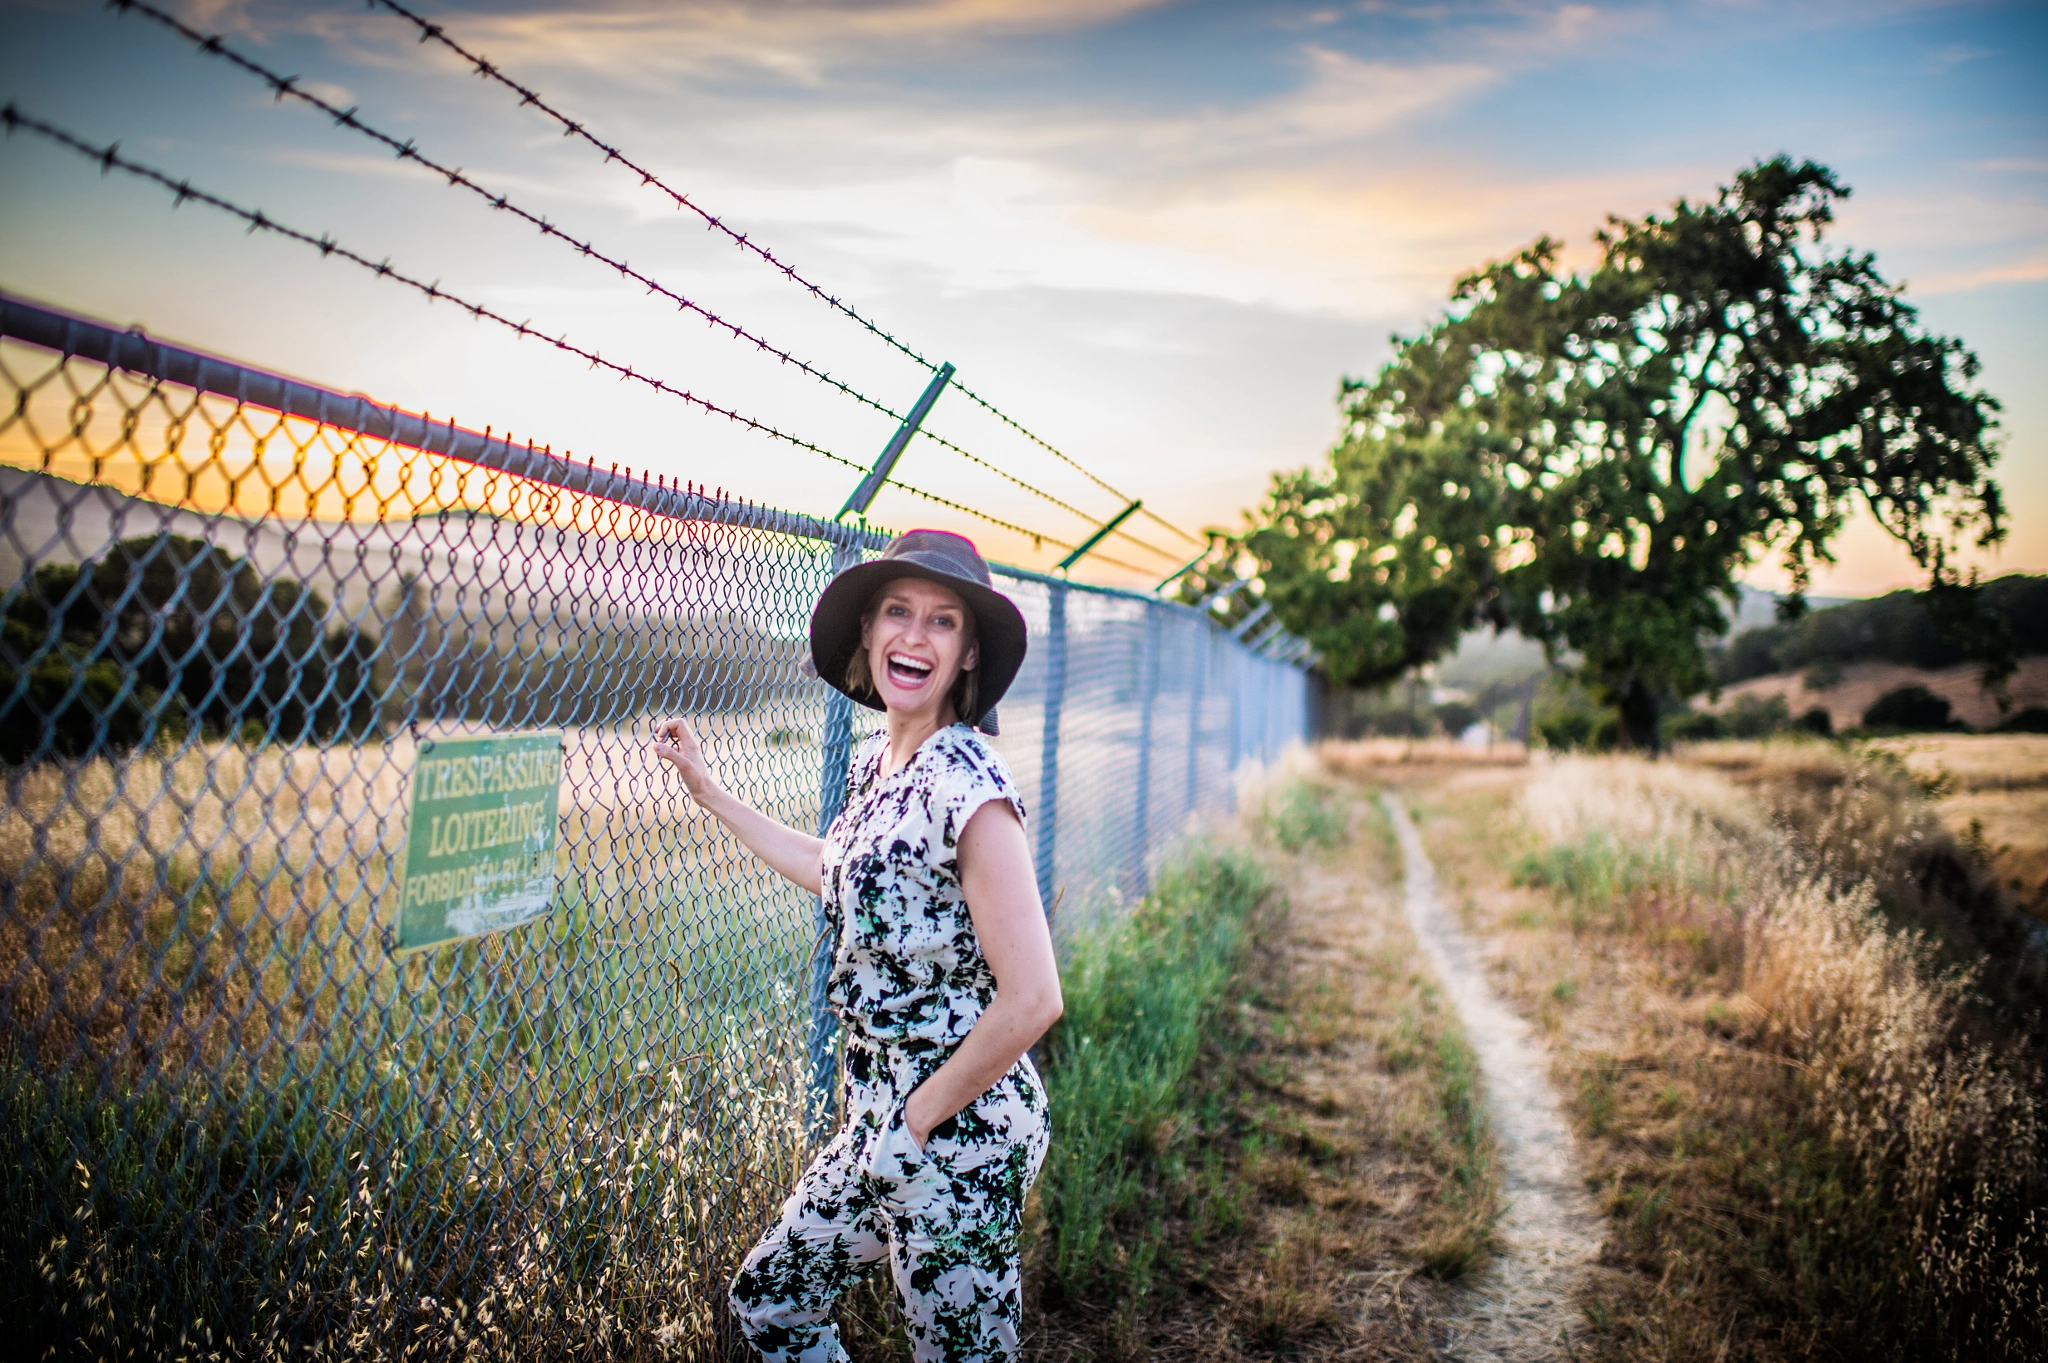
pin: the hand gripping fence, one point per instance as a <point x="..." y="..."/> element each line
<point x="239" y="610"/>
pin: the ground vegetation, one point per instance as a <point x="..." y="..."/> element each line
<point x="1286" y="1159"/>
<point x="1801" y="1060"/>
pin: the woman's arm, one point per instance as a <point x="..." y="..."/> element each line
<point x="1002" y="898"/>
<point x="790" y="853"/>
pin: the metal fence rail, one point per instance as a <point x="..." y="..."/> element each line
<point x="237" y="606"/>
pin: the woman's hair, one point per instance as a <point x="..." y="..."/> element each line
<point x="860" y="680"/>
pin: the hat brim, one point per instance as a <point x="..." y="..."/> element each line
<point x="999" y="631"/>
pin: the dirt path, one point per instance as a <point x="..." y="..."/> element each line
<point x="1519" y="1308"/>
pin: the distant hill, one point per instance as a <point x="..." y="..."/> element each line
<point x="1848" y="690"/>
<point x="1484" y="658"/>
<point x="1894" y="628"/>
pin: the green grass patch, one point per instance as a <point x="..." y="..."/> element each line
<point x="1304" y="814"/>
<point x="1470" y="1205"/>
<point x="1142" y="995"/>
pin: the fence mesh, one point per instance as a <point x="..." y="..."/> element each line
<point x="238" y="608"/>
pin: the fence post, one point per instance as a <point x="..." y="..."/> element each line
<point x="1049" y="749"/>
<point x="838" y="755"/>
<point x="1204" y="646"/>
<point x="1234" y="658"/>
<point x="1148" y="687"/>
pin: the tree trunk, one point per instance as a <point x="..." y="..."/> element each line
<point x="1639" y="714"/>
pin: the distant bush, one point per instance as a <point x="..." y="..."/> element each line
<point x="164" y="632"/>
<point x="1824" y="675"/>
<point x="1896" y="628"/>
<point x="2032" y="720"/>
<point x="1567" y="718"/>
<point x="1400" y="724"/>
<point x="1750" y="717"/>
<point x="1456" y="716"/>
<point x="65" y="701"/>
<point x="1692" y="726"/>
<point x="1914" y="709"/>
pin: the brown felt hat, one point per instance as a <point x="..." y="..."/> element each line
<point x="937" y="556"/>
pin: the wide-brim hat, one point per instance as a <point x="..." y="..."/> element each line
<point x="937" y="556"/>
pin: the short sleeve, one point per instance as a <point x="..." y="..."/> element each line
<point x="971" y="775"/>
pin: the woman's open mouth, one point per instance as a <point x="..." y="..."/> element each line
<point x="907" y="671"/>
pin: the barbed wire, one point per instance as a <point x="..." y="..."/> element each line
<point x="283" y="86"/>
<point x="109" y="159"/>
<point x="433" y="32"/>
<point x="1144" y="511"/>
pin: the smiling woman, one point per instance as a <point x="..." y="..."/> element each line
<point x="917" y="631"/>
<point x="942" y="971"/>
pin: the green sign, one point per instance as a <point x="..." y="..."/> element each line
<point x="480" y="848"/>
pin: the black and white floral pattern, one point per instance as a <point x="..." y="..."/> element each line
<point x="909" y="981"/>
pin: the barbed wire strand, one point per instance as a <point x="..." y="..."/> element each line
<point x="433" y="32"/>
<point x="283" y="86"/>
<point x="109" y="159"/>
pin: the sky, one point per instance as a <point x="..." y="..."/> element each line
<point x="1155" y="234"/>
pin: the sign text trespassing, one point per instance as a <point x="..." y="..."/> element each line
<point x="480" y="847"/>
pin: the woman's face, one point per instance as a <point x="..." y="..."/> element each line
<point x="917" y="638"/>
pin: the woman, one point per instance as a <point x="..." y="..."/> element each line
<point x="942" y="972"/>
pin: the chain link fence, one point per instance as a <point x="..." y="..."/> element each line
<point x="238" y="607"/>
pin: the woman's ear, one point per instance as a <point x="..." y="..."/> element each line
<point x="970" y="659"/>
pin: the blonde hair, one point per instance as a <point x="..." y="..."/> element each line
<point x="860" y="680"/>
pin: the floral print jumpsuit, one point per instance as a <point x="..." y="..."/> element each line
<point x="908" y="981"/>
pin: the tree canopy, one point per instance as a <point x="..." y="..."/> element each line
<point x="1595" y="458"/>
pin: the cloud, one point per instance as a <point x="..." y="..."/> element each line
<point x="1344" y="100"/>
<point x="1262" y="202"/>
<point x="2026" y="271"/>
<point x="800" y="41"/>
<point x="1956" y="54"/>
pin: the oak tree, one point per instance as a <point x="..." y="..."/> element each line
<point x="1595" y="459"/>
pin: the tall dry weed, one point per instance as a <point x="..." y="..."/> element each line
<point x="550" y="1143"/>
<point x="1942" y="1133"/>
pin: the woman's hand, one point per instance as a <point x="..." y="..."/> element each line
<point x="790" y="853"/>
<point x="676" y="744"/>
<point x="920" y="1124"/>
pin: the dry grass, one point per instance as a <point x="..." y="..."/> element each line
<point x="1888" y="813"/>
<point x="1806" y="1147"/>
<point x="1993" y="798"/>
<point x="556" y="1140"/>
<point x="1334" y="1159"/>
<point x="1369" y="758"/>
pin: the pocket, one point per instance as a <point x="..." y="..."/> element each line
<point x="892" y="1154"/>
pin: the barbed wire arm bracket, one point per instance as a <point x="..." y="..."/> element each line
<point x="1265" y="609"/>
<point x="857" y="504"/>
<point x="1102" y="533"/>
<point x="1222" y="594"/>
<point x="1178" y="573"/>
